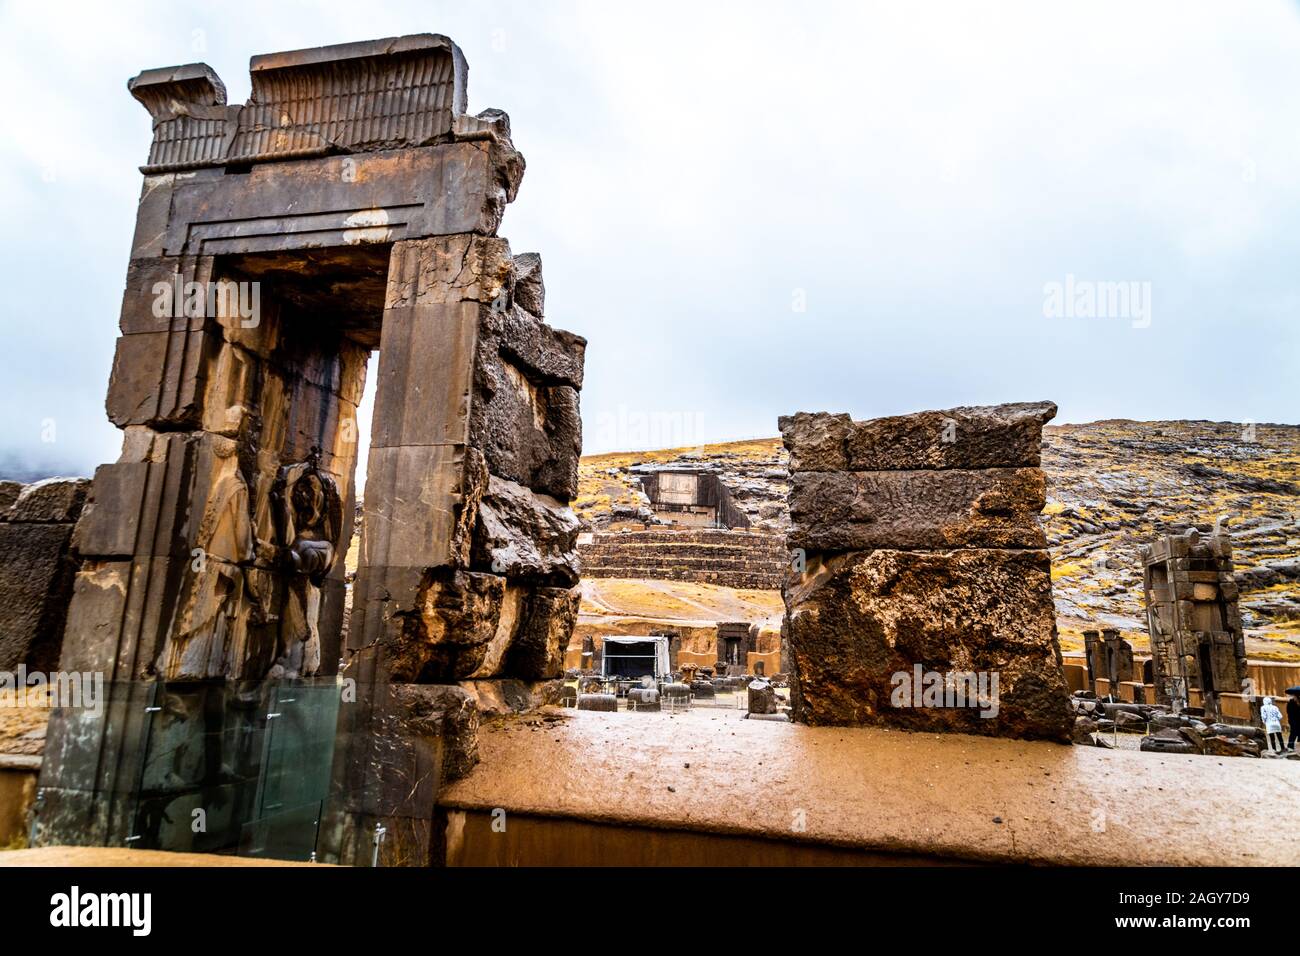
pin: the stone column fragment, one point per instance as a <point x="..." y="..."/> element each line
<point x="922" y="592"/>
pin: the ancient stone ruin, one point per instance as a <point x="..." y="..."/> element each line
<point x="735" y="559"/>
<point x="735" y="640"/>
<point x="1198" y="650"/>
<point x="37" y="568"/>
<point x="921" y="573"/>
<point x="692" y="499"/>
<point x="1109" y="658"/>
<point x="350" y="205"/>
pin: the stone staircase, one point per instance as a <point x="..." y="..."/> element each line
<point x="736" y="559"/>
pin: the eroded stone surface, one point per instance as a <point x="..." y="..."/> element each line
<point x="863" y="619"/>
<point x="523" y="534"/>
<point x="989" y="436"/>
<point x="537" y="650"/>
<point x="955" y="508"/>
<point x="816" y="441"/>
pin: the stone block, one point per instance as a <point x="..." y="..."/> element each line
<point x="111" y="520"/>
<point x="642" y="699"/>
<point x="530" y="432"/>
<point x="183" y="491"/>
<point x="420" y="506"/>
<point x="158" y="378"/>
<point x="987" y="508"/>
<point x="525" y="535"/>
<point x="816" y="441"/>
<point x="1167" y="745"/>
<point x="762" y="697"/>
<point x="160" y="295"/>
<point x="991" y="436"/>
<point x="449" y="270"/>
<point x="461" y="627"/>
<point x="9" y="492"/>
<point x="555" y="356"/>
<point x="994" y="436"/>
<point x="537" y="651"/>
<point x="442" y="190"/>
<point x="151" y="215"/>
<point x="858" y="621"/>
<point x="120" y="616"/>
<point x="426" y="370"/>
<point x="396" y="745"/>
<point x="36" y="579"/>
<point x="50" y="500"/>
<point x="530" y="290"/>
<point x="1230" y="747"/>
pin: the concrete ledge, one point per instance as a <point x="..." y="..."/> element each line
<point x="20" y="761"/>
<point x="949" y="797"/>
<point x="121" y="856"/>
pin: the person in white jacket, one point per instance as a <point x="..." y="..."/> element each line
<point x="1272" y="718"/>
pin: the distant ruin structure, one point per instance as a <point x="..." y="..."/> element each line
<point x="1109" y="657"/>
<point x="920" y="570"/>
<point x="1198" y="648"/>
<point x="735" y="640"/>
<point x="692" y="499"/>
<point x="351" y="204"/>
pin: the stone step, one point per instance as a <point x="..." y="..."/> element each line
<point x="698" y="535"/>
<point x="689" y="563"/>
<point x="733" y="579"/>
<point x="698" y="550"/>
<point x="746" y="559"/>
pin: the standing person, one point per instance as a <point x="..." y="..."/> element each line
<point x="1293" y="718"/>
<point x="1272" y="718"/>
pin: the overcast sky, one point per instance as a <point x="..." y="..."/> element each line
<point x="755" y="209"/>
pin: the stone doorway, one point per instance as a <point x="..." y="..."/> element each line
<point x="351" y="204"/>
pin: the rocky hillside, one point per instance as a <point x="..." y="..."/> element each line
<point x="1112" y="486"/>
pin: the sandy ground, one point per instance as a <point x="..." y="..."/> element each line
<point x="679" y="601"/>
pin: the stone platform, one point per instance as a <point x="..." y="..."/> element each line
<point x="735" y="559"/>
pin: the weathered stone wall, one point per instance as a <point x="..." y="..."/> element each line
<point x="737" y="559"/>
<point x="37" y="567"/>
<point x="923" y="556"/>
<point x="1197" y="642"/>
